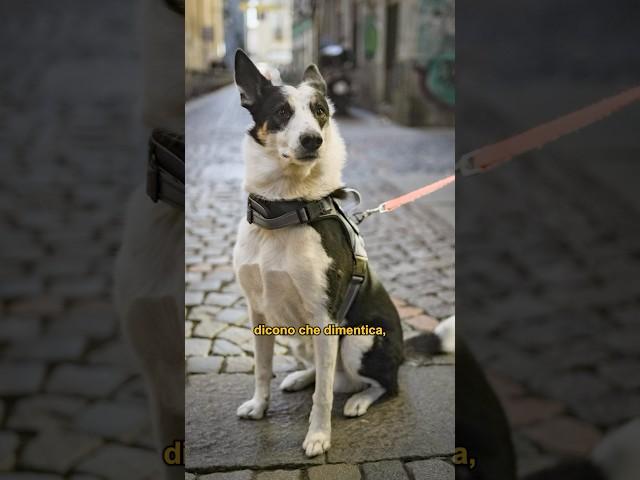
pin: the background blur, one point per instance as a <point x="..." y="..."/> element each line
<point x="547" y="245"/>
<point x="399" y="54"/>
<point x="73" y="96"/>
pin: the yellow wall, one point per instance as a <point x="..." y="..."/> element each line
<point x="204" y="33"/>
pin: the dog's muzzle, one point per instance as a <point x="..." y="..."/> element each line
<point x="310" y="142"/>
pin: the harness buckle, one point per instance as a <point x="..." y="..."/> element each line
<point x="350" y="295"/>
<point x="303" y="215"/>
<point x="325" y="206"/>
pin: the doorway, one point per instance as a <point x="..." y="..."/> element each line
<point x="391" y="41"/>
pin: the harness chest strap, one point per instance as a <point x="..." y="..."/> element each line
<point x="279" y="214"/>
<point x="287" y="212"/>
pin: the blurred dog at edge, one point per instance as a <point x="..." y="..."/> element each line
<point x="149" y="271"/>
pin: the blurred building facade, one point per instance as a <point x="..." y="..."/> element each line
<point x="234" y="30"/>
<point x="269" y="31"/>
<point x="204" y="34"/>
<point x="404" y="52"/>
<point x="304" y="41"/>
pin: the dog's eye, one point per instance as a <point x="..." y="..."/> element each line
<point x="283" y="112"/>
<point x="319" y="110"/>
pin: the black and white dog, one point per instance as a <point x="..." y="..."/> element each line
<point x="294" y="151"/>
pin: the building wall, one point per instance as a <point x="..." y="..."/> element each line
<point x="416" y="88"/>
<point x="369" y="69"/>
<point x="234" y="30"/>
<point x="204" y="34"/>
<point x="304" y="41"/>
<point x="269" y="40"/>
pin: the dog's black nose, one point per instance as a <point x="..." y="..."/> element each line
<point x="310" y="141"/>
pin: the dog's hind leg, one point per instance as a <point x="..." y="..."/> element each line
<point x="302" y="349"/>
<point x="345" y="384"/>
<point x="446" y="332"/>
<point x="352" y="350"/>
<point x="299" y="380"/>
<point x="302" y="379"/>
<point x="359" y="403"/>
<point x="263" y="357"/>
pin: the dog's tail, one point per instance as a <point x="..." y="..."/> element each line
<point x="446" y="332"/>
<point x="441" y="340"/>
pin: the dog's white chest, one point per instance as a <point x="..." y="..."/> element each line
<point x="283" y="273"/>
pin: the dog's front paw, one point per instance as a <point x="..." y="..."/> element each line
<point x="316" y="443"/>
<point x="253" y="409"/>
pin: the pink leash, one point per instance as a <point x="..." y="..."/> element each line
<point x="490" y="156"/>
<point x="394" y="203"/>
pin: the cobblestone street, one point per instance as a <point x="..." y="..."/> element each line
<point x="412" y="251"/>
<point x="72" y="405"/>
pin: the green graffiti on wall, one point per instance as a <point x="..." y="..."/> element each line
<point x="370" y="37"/>
<point x="435" y="62"/>
<point x="440" y="78"/>
<point x="425" y="5"/>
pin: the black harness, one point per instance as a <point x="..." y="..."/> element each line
<point x="275" y="214"/>
<point x="166" y="179"/>
<point x="166" y="167"/>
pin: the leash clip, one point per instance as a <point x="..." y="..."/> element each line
<point x="466" y="166"/>
<point x="360" y="216"/>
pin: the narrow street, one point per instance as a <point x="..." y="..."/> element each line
<point x="412" y="250"/>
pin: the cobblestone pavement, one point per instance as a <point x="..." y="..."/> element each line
<point x="71" y="403"/>
<point x="411" y="249"/>
<point x="550" y="291"/>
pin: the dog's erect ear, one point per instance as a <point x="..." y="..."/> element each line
<point x="312" y="77"/>
<point x="249" y="80"/>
